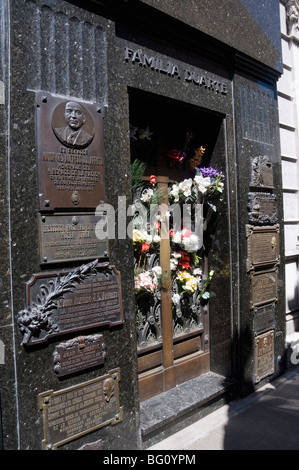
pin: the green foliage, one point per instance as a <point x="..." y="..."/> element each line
<point x="137" y="173"/>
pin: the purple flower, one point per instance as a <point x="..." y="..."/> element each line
<point x="211" y="172"/>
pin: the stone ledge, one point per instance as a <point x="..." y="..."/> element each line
<point x="164" y="414"/>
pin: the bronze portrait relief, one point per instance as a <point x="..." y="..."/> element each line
<point x="73" y="125"/>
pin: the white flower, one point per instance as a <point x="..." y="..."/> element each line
<point x="185" y="186"/>
<point x="145" y="133"/>
<point x="176" y="298"/>
<point x="146" y="195"/>
<point x="149" y="238"/>
<point x="133" y="131"/>
<point x="175" y="192"/>
<point x="157" y="270"/>
<point x="156" y="239"/>
<point x="202" y="183"/>
<point x="197" y="272"/>
<point x="173" y="264"/>
<point x="191" y="243"/>
<point x="175" y="254"/>
<point x="177" y="237"/>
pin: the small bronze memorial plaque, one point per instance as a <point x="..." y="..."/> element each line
<point x="65" y="237"/>
<point x="262" y="246"/>
<point x="262" y="208"/>
<point x="70" y="153"/>
<point x="263" y="287"/>
<point x="261" y="172"/>
<point x="78" y="354"/>
<point x="264" y="355"/>
<point x="264" y="318"/>
<point x="66" y="302"/>
<point x="79" y="410"/>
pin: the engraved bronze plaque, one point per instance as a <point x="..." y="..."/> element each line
<point x="262" y="246"/>
<point x="73" y="412"/>
<point x="262" y="208"/>
<point x="264" y="355"/>
<point x="71" y="301"/>
<point x="264" y="318"/>
<point x="70" y="153"/>
<point x="78" y="354"/>
<point x="263" y="287"/>
<point x="261" y="172"/>
<point x="70" y="237"/>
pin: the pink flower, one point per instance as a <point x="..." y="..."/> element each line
<point x="145" y="247"/>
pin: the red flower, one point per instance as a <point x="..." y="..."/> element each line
<point x="184" y="260"/>
<point x="176" y="155"/>
<point x="184" y="264"/>
<point x="157" y="225"/>
<point x="171" y="233"/>
<point x="153" y="179"/>
<point x="145" y="247"/>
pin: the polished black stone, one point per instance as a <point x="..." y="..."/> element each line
<point x="77" y="49"/>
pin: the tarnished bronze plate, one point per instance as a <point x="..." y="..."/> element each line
<point x="261" y="172"/>
<point x="263" y="287"/>
<point x="70" y="145"/>
<point x="75" y="411"/>
<point x="264" y="318"/>
<point x="70" y="237"/>
<point x="262" y="208"/>
<point x="78" y="354"/>
<point x="71" y="301"/>
<point x="264" y="355"/>
<point x="262" y="246"/>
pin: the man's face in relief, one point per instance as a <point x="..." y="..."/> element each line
<point x="74" y="115"/>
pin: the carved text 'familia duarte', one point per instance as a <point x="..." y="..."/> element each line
<point x="173" y="70"/>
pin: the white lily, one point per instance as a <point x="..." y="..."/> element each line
<point x="185" y="186"/>
<point x="202" y="183"/>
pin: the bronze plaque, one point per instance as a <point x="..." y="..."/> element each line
<point x="71" y="301"/>
<point x="262" y="246"/>
<point x="263" y="287"/>
<point x="262" y="208"/>
<point x="264" y="355"/>
<point x="264" y="318"/>
<point x="70" y="237"/>
<point x="73" y="412"/>
<point x="70" y="153"/>
<point x="78" y="354"/>
<point x="261" y="172"/>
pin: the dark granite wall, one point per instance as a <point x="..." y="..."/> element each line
<point x="252" y="28"/>
<point x="80" y="51"/>
<point x="256" y="134"/>
<point x="61" y="49"/>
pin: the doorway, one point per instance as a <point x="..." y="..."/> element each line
<point x="171" y="144"/>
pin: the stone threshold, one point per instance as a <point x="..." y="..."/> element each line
<point x="171" y="411"/>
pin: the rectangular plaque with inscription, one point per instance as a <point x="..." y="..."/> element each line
<point x="264" y="318"/>
<point x="71" y="301"/>
<point x="78" y="354"/>
<point x="70" y="153"/>
<point x="262" y="246"/>
<point x="264" y="355"/>
<point x="65" y="237"/>
<point x="263" y="287"/>
<point x="78" y="410"/>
